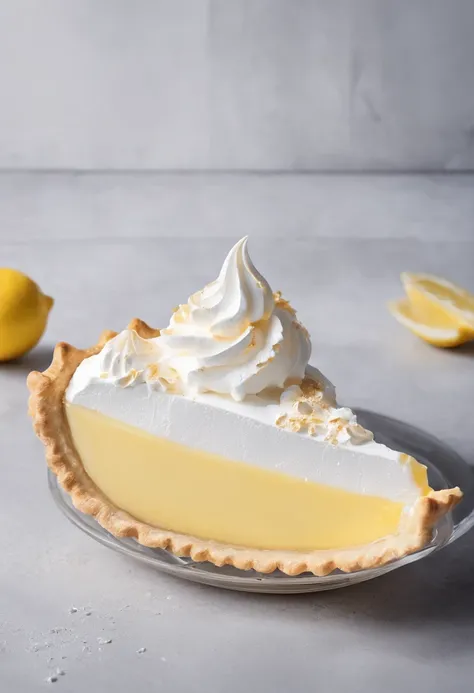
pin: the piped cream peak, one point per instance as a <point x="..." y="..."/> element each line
<point x="232" y="337"/>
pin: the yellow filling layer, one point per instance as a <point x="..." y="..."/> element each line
<point x="175" y="487"/>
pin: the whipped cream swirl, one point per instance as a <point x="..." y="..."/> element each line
<point x="234" y="337"/>
<point x="123" y="361"/>
<point x="125" y="358"/>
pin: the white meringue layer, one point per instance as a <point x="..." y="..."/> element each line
<point x="246" y="432"/>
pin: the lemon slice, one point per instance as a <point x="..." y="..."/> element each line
<point x="436" y="310"/>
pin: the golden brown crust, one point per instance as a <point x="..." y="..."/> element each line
<point x="47" y="410"/>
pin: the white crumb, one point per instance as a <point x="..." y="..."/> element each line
<point x="104" y="641"/>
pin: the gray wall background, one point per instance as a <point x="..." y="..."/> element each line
<point x="237" y="84"/>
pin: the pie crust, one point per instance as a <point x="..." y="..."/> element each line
<point x="46" y="406"/>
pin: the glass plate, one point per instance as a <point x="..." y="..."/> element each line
<point x="445" y="469"/>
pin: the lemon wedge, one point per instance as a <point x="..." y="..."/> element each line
<point x="435" y="309"/>
<point x="24" y="311"/>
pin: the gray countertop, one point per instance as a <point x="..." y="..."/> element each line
<point x="412" y="629"/>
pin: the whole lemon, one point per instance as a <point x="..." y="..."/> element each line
<point x="24" y="313"/>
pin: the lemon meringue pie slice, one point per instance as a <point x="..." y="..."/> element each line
<point x="214" y="438"/>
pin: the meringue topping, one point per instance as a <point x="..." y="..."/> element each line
<point x="123" y="361"/>
<point x="234" y="337"/>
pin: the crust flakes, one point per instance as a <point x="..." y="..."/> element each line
<point x="49" y="420"/>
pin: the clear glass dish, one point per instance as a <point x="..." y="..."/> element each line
<point x="445" y="469"/>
